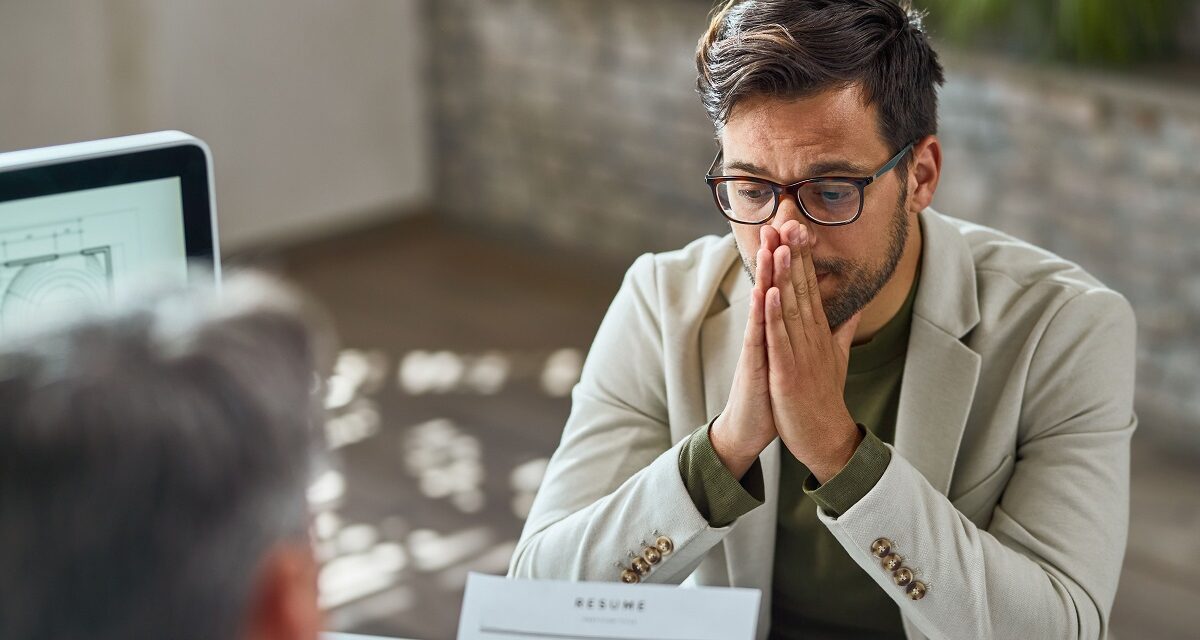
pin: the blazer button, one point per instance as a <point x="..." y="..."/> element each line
<point x="664" y="544"/>
<point x="917" y="590"/>
<point x="629" y="577"/>
<point x="881" y="547"/>
<point x="641" y="566"/>
<point x="903" y="577"/>
<point x="891" y="562"/>
<point x="652" y="555"/>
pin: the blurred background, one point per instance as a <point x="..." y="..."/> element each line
<point x="463" y="182"/>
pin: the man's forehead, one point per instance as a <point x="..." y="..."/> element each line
<point x="831" y="110"/>
<point x="799" y="169"/>
<point x="792" y="139"/>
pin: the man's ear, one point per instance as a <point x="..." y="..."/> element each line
<point x="283" y="604"/>
<point x="924" y="172"/>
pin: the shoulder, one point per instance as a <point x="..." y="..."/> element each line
<point x="693" y="273"/>
<point x="1011" y="274"/>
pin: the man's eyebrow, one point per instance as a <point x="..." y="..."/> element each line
<point x="748" y="167"/>
<point x="823" y="168"/>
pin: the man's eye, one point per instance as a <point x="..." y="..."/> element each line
<point x="834" y="196"/>
<point x="753" y="194"/>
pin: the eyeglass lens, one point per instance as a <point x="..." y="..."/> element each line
<point x="825" y="200"/>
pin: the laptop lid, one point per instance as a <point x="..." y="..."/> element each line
<point x="83" y="222"/>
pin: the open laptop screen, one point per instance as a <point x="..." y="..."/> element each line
<point x="81" y="223"/>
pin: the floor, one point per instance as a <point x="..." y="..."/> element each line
<point x="458" y="354"/>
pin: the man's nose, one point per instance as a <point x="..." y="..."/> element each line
<point x="789" y="209"/>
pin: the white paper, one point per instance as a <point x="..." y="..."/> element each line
<point x="497" y="608"/>
<point x="330" y="635"/>
<point x="333" y="635"/>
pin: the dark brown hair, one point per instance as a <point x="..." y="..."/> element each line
<point x="797" y="48"/>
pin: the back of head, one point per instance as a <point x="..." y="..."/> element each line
<point x="796" y="48"/>
<point x="149" y="456"/>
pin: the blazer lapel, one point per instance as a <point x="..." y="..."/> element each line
<point x="940" y="371"/>
<point x="721" y="337"/>
<point x="720" y="341"/>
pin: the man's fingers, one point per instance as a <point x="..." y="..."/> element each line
<point x="755" y="339"/>
<point x="770" y="237"/>
<point x="755" y="342"/>
<point x="843" y="336"/>
<point x="792" y="309"/>
<point x="811" y="295"/>
<point x="779" y="347"/>
<point x="795" y="308"/>
<point x="764" y="270"/>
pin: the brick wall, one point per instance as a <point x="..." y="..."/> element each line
<point x="576" y="122"/>
<point x="1106" y="173"/>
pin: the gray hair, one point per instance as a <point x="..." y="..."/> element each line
<point x="149" y="456"/>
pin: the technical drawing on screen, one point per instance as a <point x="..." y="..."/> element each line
<point x="83" y="247"/>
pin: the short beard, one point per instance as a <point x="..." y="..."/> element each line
<point x="862" y="284"/>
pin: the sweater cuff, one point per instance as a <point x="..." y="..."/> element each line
<point x="718" y="496"/>
<point x="855" y="480"/>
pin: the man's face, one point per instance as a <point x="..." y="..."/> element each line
<point x="830" y="134"/>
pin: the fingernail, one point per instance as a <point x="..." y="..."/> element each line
<point x="802" y="236"/>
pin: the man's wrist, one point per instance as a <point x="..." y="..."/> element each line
<point x="828" y="464"/>
<point x="736" y="458"/>
<point x="718" y="497"/>
<point x="860" y="475"/>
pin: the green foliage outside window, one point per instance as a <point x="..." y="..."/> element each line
<point x="1088" y="32"/>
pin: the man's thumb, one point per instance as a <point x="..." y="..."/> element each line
<point x="844" y="334"/>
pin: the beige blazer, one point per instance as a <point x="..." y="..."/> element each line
<point x="1008" y="488"/>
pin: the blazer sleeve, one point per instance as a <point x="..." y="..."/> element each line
<point x="1048" y="563"/>
<point x="614" y="486"/>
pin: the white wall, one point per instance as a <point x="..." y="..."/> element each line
<point x="56" y="81"/>
<point x="314" y="109"/>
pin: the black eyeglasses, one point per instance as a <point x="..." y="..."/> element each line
<point x="826" y="200"/>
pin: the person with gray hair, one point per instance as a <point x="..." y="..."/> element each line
<point x="153" y="466"/>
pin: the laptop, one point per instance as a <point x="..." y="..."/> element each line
<point x="81" y="223"/>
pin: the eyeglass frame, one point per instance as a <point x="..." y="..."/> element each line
<point x="793" y="189"/>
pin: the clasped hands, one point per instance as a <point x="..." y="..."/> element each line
<point x="790" y="379"/>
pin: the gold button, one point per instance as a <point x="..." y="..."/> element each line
<point x="664" y="544"/>
<point x="881" y="547"/>
<point x="629" y="577"/>
<point x="917" y="590"/>
<point x="652" y="555"/>
<point x="891" y="562"/>
<point x="903" y="576"/>
<point x="641" y="566"/>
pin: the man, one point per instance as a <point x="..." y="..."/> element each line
<point x="153" y="468"/>
<point x="900" y="424"/>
